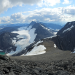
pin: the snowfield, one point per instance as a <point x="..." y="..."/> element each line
<point x="36" y="51"/>
<point x="26" y="36"/>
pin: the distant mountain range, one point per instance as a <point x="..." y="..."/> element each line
<point x="14" y="39"/>
<point x="65" y="40"/>
<point x="28" y="40"/>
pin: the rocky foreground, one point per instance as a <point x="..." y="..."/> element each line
<point x="22" y="67"/>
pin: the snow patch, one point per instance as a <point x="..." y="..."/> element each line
<point x="74" y="51"/>
<point x="68" y="29"/>
<point x="55" y="33"/>
<point x="38" y="43"/>
<point x="55" y="46"/>
<point x="36" y="51"/>
<point x="45" y="27"/>
<point x="13" y="41"/>
<point x="50" y="37"/>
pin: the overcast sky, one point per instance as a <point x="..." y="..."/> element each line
<point x="25" y="11"/>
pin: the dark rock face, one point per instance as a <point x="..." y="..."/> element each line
<point x="6" y="41"/>
<point x="8" y="66"/>
<point x="65" y="39"/>
<point x="41" y="31"/>
<point x="22" y="67"/>
<point x="69" y="27"/>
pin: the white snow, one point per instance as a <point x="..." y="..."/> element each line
<point x="50" y="37"/>
<point x="27" y="37"/>
<point x="38" y="43"/>
<point x="74" y="51"/>
<point x="36" y="51"/>
<point x="55" y="33"/>
<point x="13" y="41"/>
<point x="55" y="45"/>
<point x="32" y="35"/>
<point x="68" y="29"/>
<point x="45" y="27"/>
<point x="14" y="38"/>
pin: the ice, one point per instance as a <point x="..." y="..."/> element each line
<point x="32" y="35"/>
<point x="36" y="50"/>
<point x="68" y="29"/>
<point x="21" y="44"/>
<point x="26" y="37"/>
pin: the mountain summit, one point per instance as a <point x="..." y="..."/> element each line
<point x="41" y="30"/>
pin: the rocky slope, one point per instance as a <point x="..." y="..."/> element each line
<point x="22" y="67"/>
<point x="6" y="44"/>
<point x="65" y="39"/>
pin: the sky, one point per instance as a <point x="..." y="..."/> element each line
<point x="25" y="11"/>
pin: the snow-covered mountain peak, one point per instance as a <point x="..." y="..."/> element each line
<point x="69" y="27"/>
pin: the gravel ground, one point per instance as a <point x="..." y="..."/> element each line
<point x="13" y="66"/>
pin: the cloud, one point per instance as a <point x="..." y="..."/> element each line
<point x="61" y="14"/>
<point x="5" y="4"/>
<point x="66" y="2"/>
<point x="70" y="10"/>
<point x="48" y="2"/>
<point x="51" y="2"/>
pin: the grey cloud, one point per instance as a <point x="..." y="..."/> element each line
<point x="24" y="1"/>
<point x="69" y="11"/>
